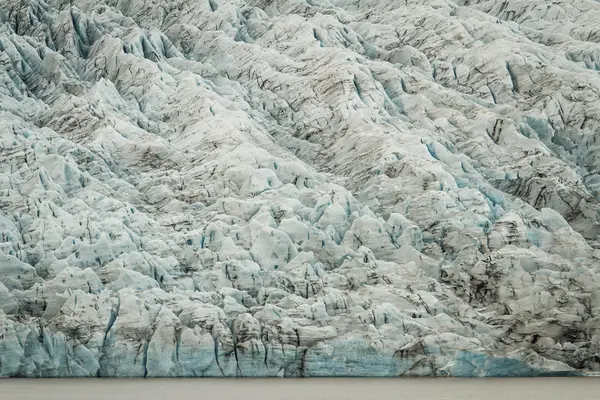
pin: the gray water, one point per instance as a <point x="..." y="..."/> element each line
<point x="306" y="389"/>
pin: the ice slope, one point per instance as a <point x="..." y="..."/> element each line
<point x="299" y="187"/>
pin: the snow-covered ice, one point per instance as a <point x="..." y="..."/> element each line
<point x="299" y="187"/>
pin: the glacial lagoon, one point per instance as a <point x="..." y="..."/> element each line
<point x="302" y="389"/>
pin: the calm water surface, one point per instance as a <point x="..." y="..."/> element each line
<point x="306" y="389"/>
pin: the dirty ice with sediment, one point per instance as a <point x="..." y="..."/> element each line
<point x="299" y="188"/>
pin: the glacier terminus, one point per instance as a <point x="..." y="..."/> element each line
<point x="299" y="188"/>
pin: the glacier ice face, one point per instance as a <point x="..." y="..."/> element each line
<point x="299" y="188"/>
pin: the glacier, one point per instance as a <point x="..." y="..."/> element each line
<point x="297" y="188"/>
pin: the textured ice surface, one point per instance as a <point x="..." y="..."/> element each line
<point x="299" y="187"/>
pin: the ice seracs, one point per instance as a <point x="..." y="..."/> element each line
<point x="291" y="188"/>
